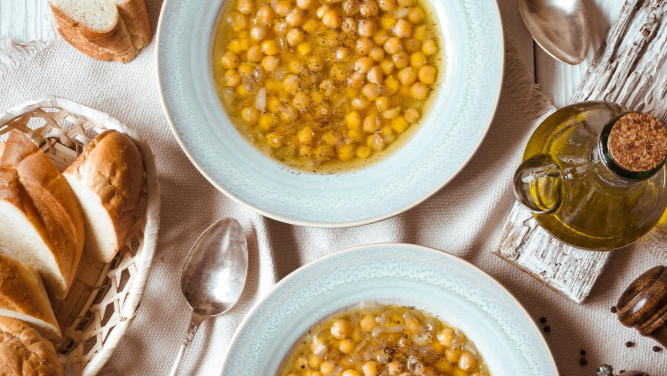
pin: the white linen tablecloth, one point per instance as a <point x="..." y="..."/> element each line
<point x="464" y="219"/>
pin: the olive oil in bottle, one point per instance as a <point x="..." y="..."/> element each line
<point x="594" y="175"/>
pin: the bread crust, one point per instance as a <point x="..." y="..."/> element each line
<point x="21" y="291"/>
<point x="23" y="352"/>
<point x="81" y="44"/>
<point x="112" y="167"/>
<point x="116" y="41"/>
<point x="43" y="194"/>
<point x="135" y="15"/>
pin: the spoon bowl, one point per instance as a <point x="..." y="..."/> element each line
<point x="213" y="277"/>
<point x="560" y="27"/>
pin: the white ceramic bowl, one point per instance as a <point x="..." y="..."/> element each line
<point x="446" y="286"/>
<point x="459" y="118"/>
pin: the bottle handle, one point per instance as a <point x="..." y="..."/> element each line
<point x="538" y="184"/>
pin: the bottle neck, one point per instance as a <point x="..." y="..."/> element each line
<point x="609" y="170"/>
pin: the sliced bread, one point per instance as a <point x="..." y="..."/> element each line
<point x="135" y="15"/>
<point x="99" y="23"/>
<point x="108" y="179"/>
<point x="41" y="222"/>
<point x="23" y="352"/>
<point x="23" y="297"/>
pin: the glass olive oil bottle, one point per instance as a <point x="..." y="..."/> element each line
<point x="594" y="176"/>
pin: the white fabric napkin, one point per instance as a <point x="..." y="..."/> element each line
<point x="464" y="219"/>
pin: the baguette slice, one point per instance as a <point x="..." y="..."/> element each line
<point x="41" y="222"/>
<point x="108" y="179"/>
<point x="98" y="22"/>
<point x="23" y="297"/>
<point x="23" y="352"/>
<point x="81" y="44"/>
<point x="135" y="15"/>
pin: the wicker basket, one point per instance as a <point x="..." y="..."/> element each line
<point x="104" y="297"/>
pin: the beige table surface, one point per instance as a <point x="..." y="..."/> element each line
<point x="190" y="203"/>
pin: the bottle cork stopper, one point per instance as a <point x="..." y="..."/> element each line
<point x="638" y="142"/>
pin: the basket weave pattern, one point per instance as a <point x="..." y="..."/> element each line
<point x="104" y="297"/>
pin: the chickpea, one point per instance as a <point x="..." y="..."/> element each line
<point x="387" y="67"/>
<point x="288" y="114"/>
<point x="394" y="368"/>
<point x="308" y="152"/>
<point x="420" y="33"/>
<point x="258" y="33"/>
<point x="412" y="45"/>
<point x="391" y="85"/>
<point x="377" y="143"/>
<point x="346" y="346"/>
<point x="353" y="121"/>
<point x="304" y="48"/>
<point x="309" y="26"/>
<point x="406" y="3"/>
<point x="401" y="60"/>
<point x="382" y="103"/>
<point x="355" y="135"/>
<point x="411" y="115"/>
<point x="363" y="64"/>
<point x="241" y="91"/>
<point x="342" y="54"/>
<point x="254" y="54"/>
<point x="419" y="91"/>
<point x="273" y="104"/>
<point x="370" y="369"/>
<point x="367" y="323"/>
<point x="327" y="367"/>
<point x="281" y="28"/>
<point x="274" y="140"/>
<point x="331" y="19"/>
<point x="282" y="8"/>
<point x="368" y="8"/>
<point x="391" y="113"/>
<point x="363" y="152"/>
<point x="356" y="79"/>
<point x="387" y="22"/>
<point x="327" y="86"/>
<point x="467" y="361"/>
<point x="371" y="124"/>
<point x="270" y="63"/>
<point x="452" y="355"/>
<point x="429" y="47"/>
<point x="417" y="60"/>
<point x="323" y="153"/>
<point x="399" y="124"/>
<point x="267" y="121"/>
<point x="250" y="115"/>
<point x="304" y="4"/>
<point x="236" y="46"/>
<point x="232" y="78"/>
<point x="349" y="25"/>
<point x="315" y="63"/>
<point x="229" y="60"/>
<point x="294" y="36"/>
<point x="300" y="101"/>
<point x="427" y="74"/>
<point x="245" y="68"/>
<point x="403" y="28"/>
<point x="367" y="28"/>
<point x="314" y="361"/>
<point x="351" y="7"/>
<point x="265" y="15"/>
<point x="350" y="372"/>
<point x="388" y="134"/>
<point x="359" y="103"/>
<point x="387" y="5"/>
<point x="345" y="153"/>
<point x="364" y="46"/>
<point x="393" y="45"/>
<point x="407" y="76"/>
<point x="321" y="11"/>
<point x="446" y="336"/>
<point x="245" y="6"/>
<point x="330" y="138"/>
<point x="375" y="75"/>
<point x="238" y="21"/>
<point x="270" y="47"/>
<point x="380" y="37"/>
<point x="337" y="72"/>
<point x="416" y="15"/>
<point x="295" y="17"/>
<point x="291" y="83"/>
<point x="296" y="66"/>
<point x="377" y="54"/>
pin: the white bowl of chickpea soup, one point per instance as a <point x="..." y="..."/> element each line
<point x="388" y="309"/>
<point x="330" y="113"/>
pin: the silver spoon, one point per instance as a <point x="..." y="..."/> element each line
<point x="213" y="276"/>
<point x="560" y="27"/>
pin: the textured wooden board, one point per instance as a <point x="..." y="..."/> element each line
<point x="630" y="68"/>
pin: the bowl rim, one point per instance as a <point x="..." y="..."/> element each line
<point x="323" y="224"/>
<point x="434" y="251"/>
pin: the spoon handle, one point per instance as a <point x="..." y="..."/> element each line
<point x="195" y="322"/>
